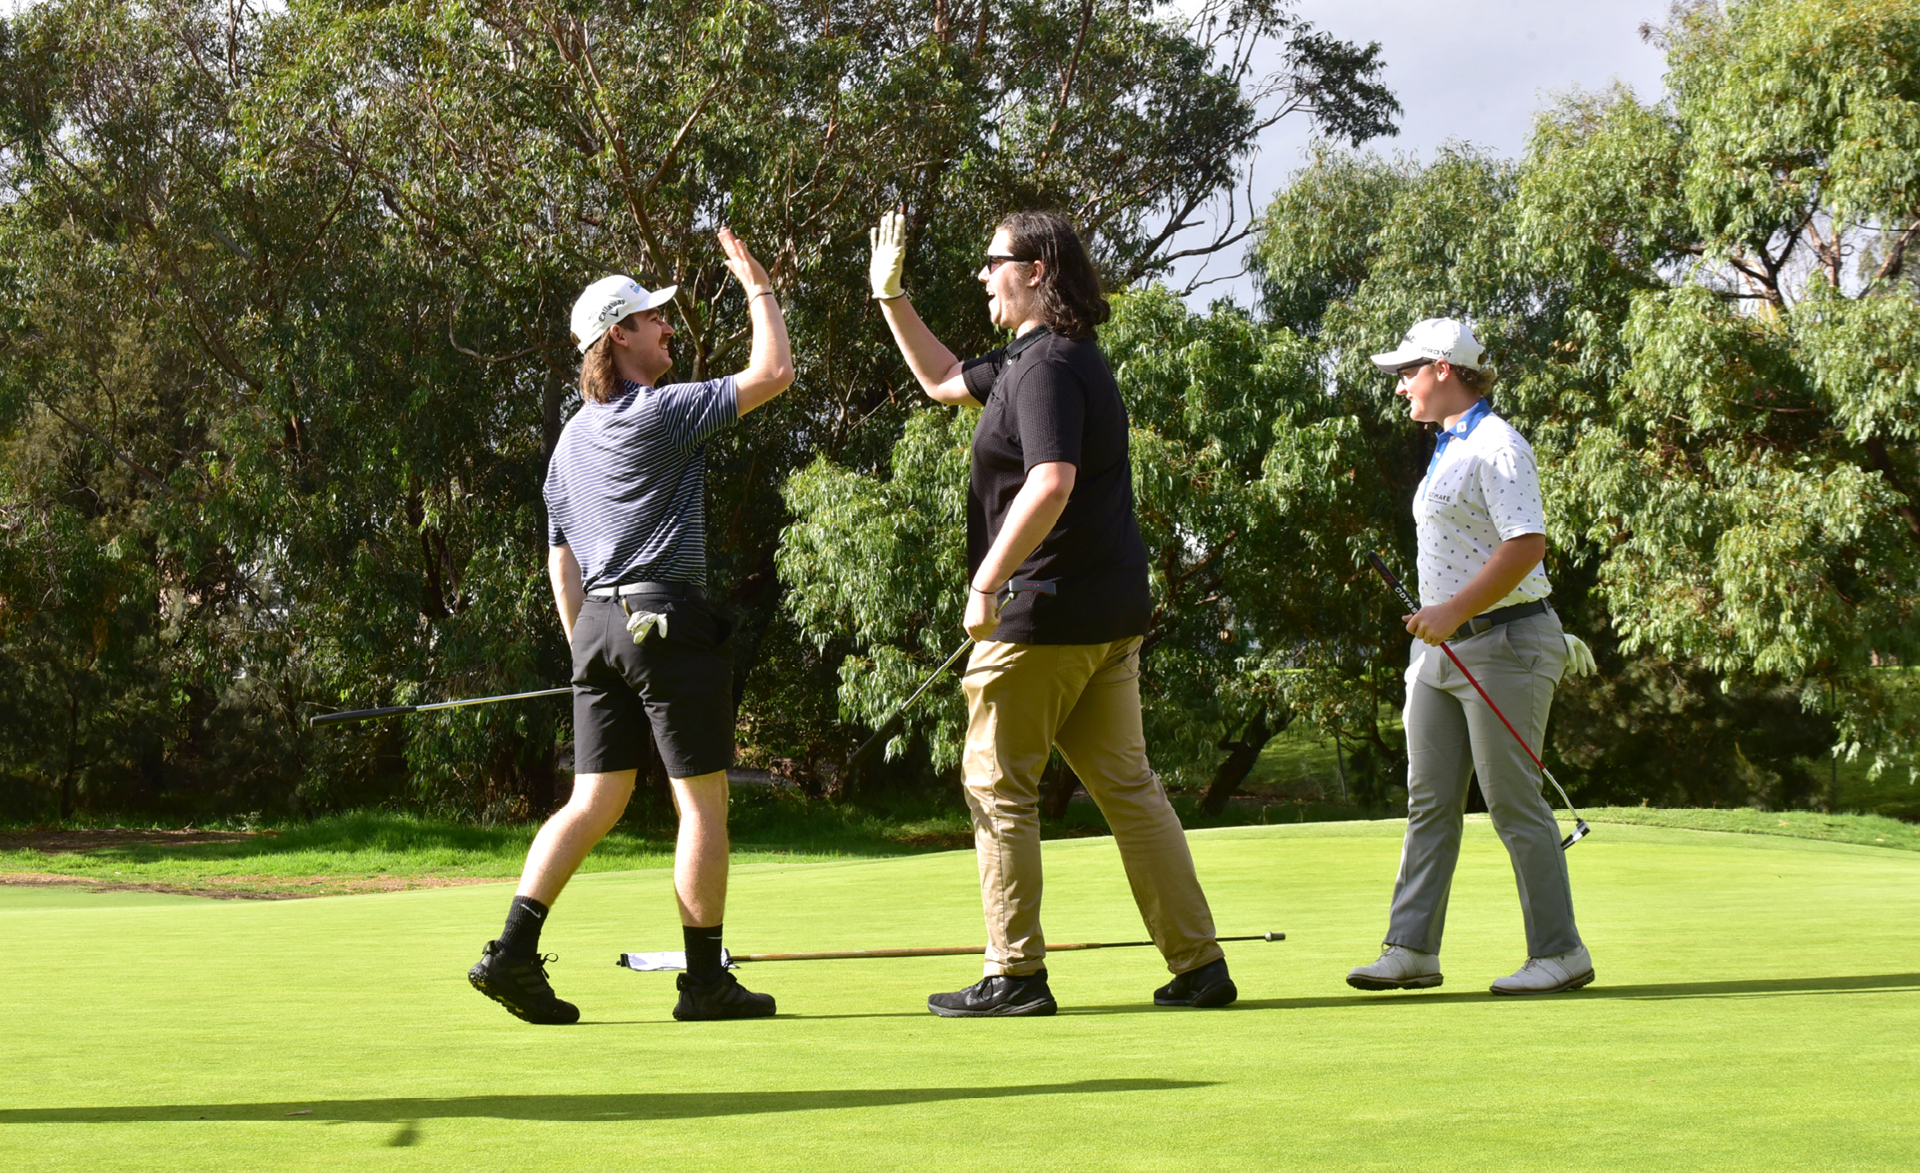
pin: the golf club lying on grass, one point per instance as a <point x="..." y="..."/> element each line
<point x="394" y="710"/>
<point x="1015" y="586"/>
<point x="650" y="962"/>
<point x="1580" y="827"/>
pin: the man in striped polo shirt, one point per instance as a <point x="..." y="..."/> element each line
<point x="626" y="508"/>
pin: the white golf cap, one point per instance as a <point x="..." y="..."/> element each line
<point x="1435" y="338"/>
<point x="607" y="301"/>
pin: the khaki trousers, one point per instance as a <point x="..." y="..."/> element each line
<point x="1024" y="699"/>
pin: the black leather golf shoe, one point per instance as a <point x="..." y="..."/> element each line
<point x="519" y="982"/>
<point x="722" y="998"/>
<point x="997" y="996"/>
<point x="1205" y="988"/>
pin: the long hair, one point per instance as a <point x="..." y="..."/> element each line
<point x="599" y="381"/>
<point x="1069" y="289"/>
<point x="1479" y="382"/>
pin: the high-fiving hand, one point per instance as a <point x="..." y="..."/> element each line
<point x="889" y="243"/>
<point x="741" y="263"/>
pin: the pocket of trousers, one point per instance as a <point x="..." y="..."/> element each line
<point x="583" y="641"/>
<point x="1537" y="646"/>
<point x="1523" y="649"/>
<point x="697" y="626"/>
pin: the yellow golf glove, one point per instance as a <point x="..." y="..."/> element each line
<point x="1579" y="656"/>
<point x="641" y="622"/>
<point x="889" y="243"/>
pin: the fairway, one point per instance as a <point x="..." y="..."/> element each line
<point x="1757" y="1007"/>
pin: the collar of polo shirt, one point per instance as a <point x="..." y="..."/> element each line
<point x="1480" y="410"/>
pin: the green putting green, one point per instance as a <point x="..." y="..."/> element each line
<point x="1758" y="1007"/>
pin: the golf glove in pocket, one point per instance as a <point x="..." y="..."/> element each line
<point x="1579" y="656"/>
<point x="641" y="622"/>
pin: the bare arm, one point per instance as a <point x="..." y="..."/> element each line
<point x="1512" y="561"/>
<point x="929" y="359"/>
<point x="563" y="569"/>
<point x="770" y="366"/>
<point x="1035" y="511"/>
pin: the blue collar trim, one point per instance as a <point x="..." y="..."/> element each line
<point x="1480" y="410"/>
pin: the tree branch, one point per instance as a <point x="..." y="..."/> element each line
<point x="129" y="461"/>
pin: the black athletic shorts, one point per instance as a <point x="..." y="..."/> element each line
<point x="682" y="683"/>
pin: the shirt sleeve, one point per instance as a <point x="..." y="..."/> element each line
<point x="1051" y="406"/>
<point x="980" y="373"/>
<point x="1510" y="486"/>
<point x="697" y="412"/>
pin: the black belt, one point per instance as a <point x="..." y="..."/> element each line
<point x="672" y="590"/>
<point x="1487" y="620"/>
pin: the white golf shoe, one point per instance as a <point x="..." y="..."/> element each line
<point x="1549" y="975"/>
<point x="1399" y="968"/>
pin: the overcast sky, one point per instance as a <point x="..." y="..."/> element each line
<point x="1473" y="70"/>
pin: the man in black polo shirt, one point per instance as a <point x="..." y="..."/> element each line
<point x="626" y="512"/>
<point x="1050" y="497"/>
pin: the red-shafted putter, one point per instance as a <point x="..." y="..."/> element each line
<point x="1015" y="586"/>
<point x="1580" y="828"/>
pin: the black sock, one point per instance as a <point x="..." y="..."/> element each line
<point x="525" y="918"/>
<point x="703" y="952"/>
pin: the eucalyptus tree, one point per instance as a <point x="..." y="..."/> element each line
<point x="283" y="292"/>
<point x="1747" y="463"/>
<point x="1700" y="311"/>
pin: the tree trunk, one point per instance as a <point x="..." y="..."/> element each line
<point x="1059" y="792"/>
<point x="66" y="778"/>
<point x="1241" y="756"/>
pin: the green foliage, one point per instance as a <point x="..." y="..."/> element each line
<point x="1237" y="457"/>
<point x="283" y="295"/>
<point x="1745" y="476"/>
<point x="1701" y="318"/>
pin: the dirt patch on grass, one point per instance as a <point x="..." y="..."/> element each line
<point x="253" y="887"/>
<point x="54" y="841"/>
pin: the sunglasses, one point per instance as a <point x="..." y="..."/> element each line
<point x="995" y="260"/>
<point x="1412" y="368"/>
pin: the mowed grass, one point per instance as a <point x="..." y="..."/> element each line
<point x="380" y="849"/>
<point x="384" y="851"/>
<point x="1758" y="1008"/>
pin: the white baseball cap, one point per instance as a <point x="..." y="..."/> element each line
<point x="1435" y="338"/>
<point x="607" y="301"/>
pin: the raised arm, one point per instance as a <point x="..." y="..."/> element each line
<point x="770" y="367"/>
<point x="930" y="361"/>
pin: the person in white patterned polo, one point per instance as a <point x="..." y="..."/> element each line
<point x="1483" y="588"/>
<point x="626" y="521"/>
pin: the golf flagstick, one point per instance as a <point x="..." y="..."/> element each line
<point x="1580" y="828"/>
<point x="885" y="732"/>
<point x="669" y="961"/>
<point x="395" y="710"/>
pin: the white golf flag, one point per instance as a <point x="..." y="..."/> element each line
<point x="666" y="961"/>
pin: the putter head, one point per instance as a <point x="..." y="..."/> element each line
<point x="1580" y="830"/>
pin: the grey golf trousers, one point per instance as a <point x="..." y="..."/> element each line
<point x="1452" y="735"/>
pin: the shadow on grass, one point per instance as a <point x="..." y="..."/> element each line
<point x="1755" y="988"/>
<point x="1651" y="992"/>
<point x="612" y="1106"/>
